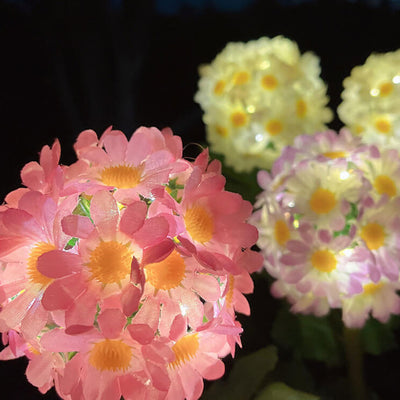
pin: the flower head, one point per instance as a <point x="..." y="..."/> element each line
<point x="124" y="268"/>
<point x="328" y="226"/>
<point x="257" y="97"/>
<point x="371" y="99"/>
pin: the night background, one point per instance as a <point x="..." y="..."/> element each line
<point x="72" y="65"/>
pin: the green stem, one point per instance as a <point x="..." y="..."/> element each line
<point x="354" y="355"/>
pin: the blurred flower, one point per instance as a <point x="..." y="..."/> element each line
<point x="125" y="267"/>
<point x="371" y="100"/>
<point x="257" y="97"/>
<point x="328" y="227"/>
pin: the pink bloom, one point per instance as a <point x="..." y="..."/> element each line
<point x="196" y="356"/>
<point x="28" y="233"/>
<point x="125" y="362"/>
<point x="131" y="167"/>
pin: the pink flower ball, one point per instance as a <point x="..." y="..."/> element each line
<point x="125" y="268"/>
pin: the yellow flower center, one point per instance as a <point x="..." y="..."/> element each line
<point x="110" y="355"/>
<point x="219" y="88"/>
<point x="199" y="224"/>
<point x="372" y="288"/>
<point x="166" y="274"/>
<point x="382" y="125"/>
<point x="373" y="235"/>
<point x="231" y="287"/>
<point x="110" y="262"/>
<point x="334" y="154"/>
<point x="34" y="275"/>
<point x="385" y="185"/>
<point x="358" y="129"/>
<point x="274" y="127"/>
<point x="301" y="108"/>
<point x="222" y="131"/>
<point x="385" y="89"/>
<point x="322" y="201"/>
<point x="323" y="260"/>
<point x="269" y="82"/>
<point x="185" y="349"/>
<point x="121" y="176"/>
<point x="238" y="119"/>
<point x="281" y="232"/>
<point x="240" y="78"/>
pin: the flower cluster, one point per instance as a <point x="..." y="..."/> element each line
<point x="121" y="273"/>
<point x="329" y="227"/>
<point x="257" y="97"/>
<point x="371" y="99"/>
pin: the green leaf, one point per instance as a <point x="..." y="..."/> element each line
<point x="246" y="376"/>
<point x="378" y="338"/>
<point x="307" y="336"/>
<point x="71" y="243"/>
<point x="83" y="207"/>
<point x="280" y="391"/>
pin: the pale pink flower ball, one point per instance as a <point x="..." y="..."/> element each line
<point x="329" y="229"/>
<point x="120" y="275"/>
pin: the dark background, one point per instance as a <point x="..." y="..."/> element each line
<point x="73" y="65"/>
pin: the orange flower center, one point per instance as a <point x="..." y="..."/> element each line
<point x="269" y="82"/>
<point x="373" y="235"/>
<point x="219" y="87"/>
<point x="222" y="131"/>
<point x="323" y="260"/>
<point x="110" y="262"/>
<point x="322" y="201"/>
<point x="34" y="275"/>
<point x="121" y="176"/>
<point x="334" y="154"/>
<point x="110" y="355"/>
<point x="185" y="349"/>
<point x="240" y="78"/>
<point x="301" y="108"/>
<point x="281" y="232"/>
<point x="385" y="185"/>
<point x="274" y="127"/>
<point x="231" y="287"/>
<point x="371" y="288"/>
<point x="199" y="224"/>
<point x="385" y="89"/>
<point x="382" y="125"/>
<point x="238" y="119"/>
<point x="166" y="274"/>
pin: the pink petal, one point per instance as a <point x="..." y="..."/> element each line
<point x="115" y="144"/>
<point x="209" y="367"/>
<point x="58" y="341"/>
<point x="130" y="298"/>
<point x="192" y="382"/>
<point x="34" y="320"/>
<point x="207" y="287"/>
<point x="77" y="226"/>
<point x="13" y="313"/>
<point x="159" y="377"/>
<point x="142" y="333"/>
<point x="111" y="322"/>
<point x="79" y="318"/>
<point x="133" y="217"/>
<point x="61" y="293"/>
<point x="153" y="231"/>
<point x="39" y="370"/>
<point x="57" y="263"/>
<point x="178" y="327"/>
<point x="157" y="253"/>
<point x="87" y="138"/>
<point x="104" y="212"/>
<point x="32" y="176"/>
